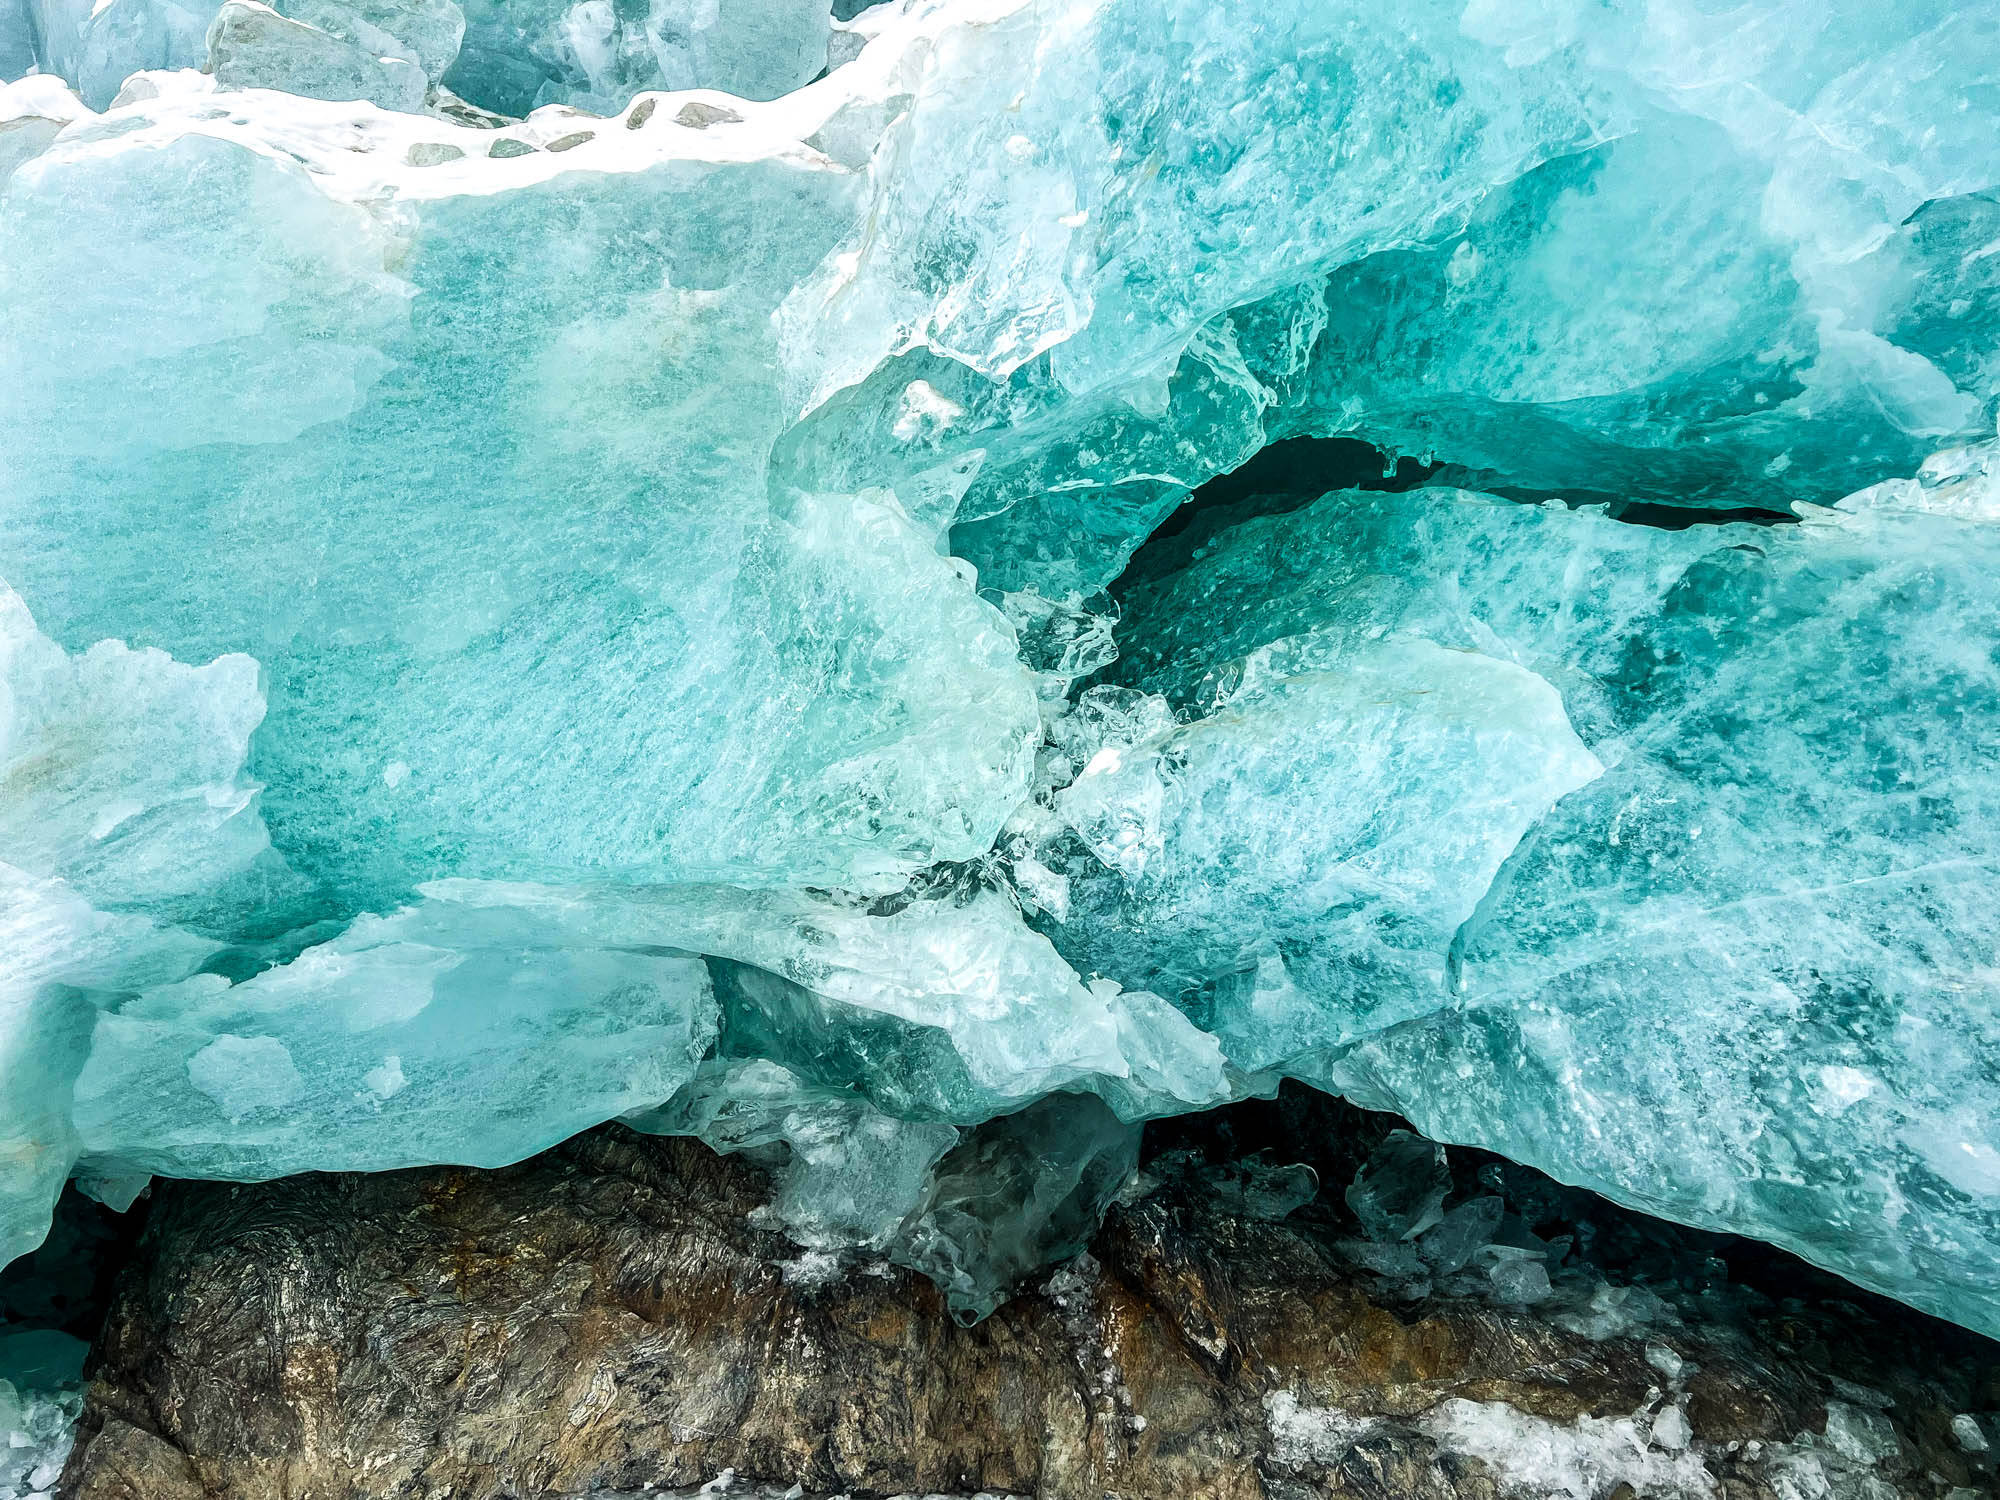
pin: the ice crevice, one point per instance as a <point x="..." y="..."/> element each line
<point x="908" y="593"/>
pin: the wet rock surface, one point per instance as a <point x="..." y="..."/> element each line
<point x="608" y="1318"/>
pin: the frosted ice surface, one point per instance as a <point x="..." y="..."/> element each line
<point x="1531" y="1455"/>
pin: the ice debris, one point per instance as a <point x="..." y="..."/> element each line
<point x="41" y="1394"/>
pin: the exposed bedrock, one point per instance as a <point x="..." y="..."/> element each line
<point x="607" y="1319"/>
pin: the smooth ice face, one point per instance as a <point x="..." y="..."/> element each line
<point x="426" y="33"/>
<point x="1640" y="322"/>
<point x="439" y="1033"/>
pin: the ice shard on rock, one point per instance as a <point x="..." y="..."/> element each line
<point x="976" y="1210"/>
<point x="536" y="598"/>
<point x="850" y="1177"/>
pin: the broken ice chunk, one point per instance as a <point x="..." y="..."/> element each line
<point x="852" y="1175"/>
<point x="1399" y="1192"/>
<point x="1060" y="640"/>
<point x="1259" y="1189"/>
<point x="1016" y="1194"/>
<point x="1451" y="1243"/>
<point x="1518" y="1277"/>
<point x="121" y="770"/>
<point x="33" y="112"/>
<point x="251" y="46"/>
<point x="938" y="999"/>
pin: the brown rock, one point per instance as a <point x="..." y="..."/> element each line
<point x="125" y="1463"/>
<point x="605" y="1318"/>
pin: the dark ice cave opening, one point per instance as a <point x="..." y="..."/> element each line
<point x="1290" y="474"/>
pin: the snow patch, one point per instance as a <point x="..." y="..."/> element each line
<point x="1566" y="1461"/>
<point x="1303" y="1435"/>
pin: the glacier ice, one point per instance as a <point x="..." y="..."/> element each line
<point x="1773" y="901"/>
<point x="1406" y="774"/>
<point x="251" y="46"/>
<point x="519" y="55"/>
<point x="1797" y="844"/>
<point x="436" y="1033"/>
<point x="533" y="598"/>
<point x="707" y="627"/>
<point x="510" y="56"/>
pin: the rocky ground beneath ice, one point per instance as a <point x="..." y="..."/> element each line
<point x="608" y="1319"/>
